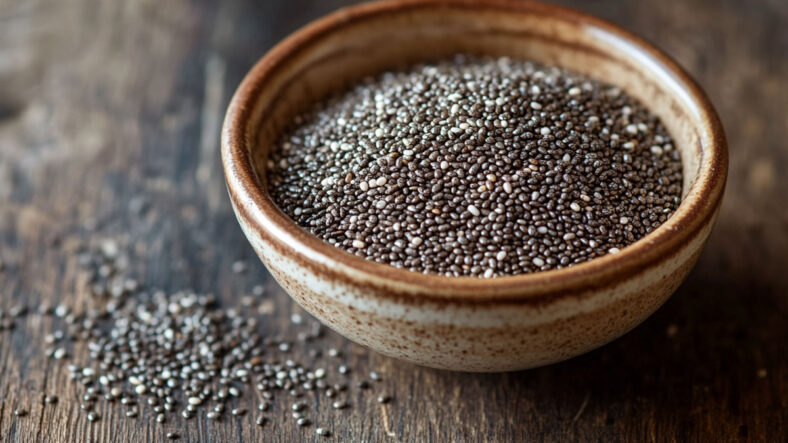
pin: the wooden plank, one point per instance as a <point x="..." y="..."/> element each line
<point x="109" y="106"/>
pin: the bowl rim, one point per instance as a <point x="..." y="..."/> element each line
<point x="253" y="202"/>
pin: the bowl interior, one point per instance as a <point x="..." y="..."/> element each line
<point x="339" y="50"/>
<point x="397" y="37"/>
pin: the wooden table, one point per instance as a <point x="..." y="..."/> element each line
<point x="109" y="120"/>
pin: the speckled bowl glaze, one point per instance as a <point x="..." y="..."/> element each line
<point x="464" y="323"/>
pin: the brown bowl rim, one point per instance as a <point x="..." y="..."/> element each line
<point x="699" y="205"/>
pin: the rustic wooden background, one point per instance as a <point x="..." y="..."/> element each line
<point x="109" y="121"/>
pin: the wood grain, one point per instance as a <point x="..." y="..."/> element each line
<point x="106" y="107"/>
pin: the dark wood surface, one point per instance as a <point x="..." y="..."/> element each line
<point x="109" y="106"/>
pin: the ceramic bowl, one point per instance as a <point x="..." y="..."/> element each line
<point x="465" y="323"/>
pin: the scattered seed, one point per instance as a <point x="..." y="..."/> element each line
<point x="239" y="267"/>
<point x="169" y="347"/>
<point x="339" y="405"/>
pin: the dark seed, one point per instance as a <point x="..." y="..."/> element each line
<point x="479" y="167"/>
<point x="179" y="346"/>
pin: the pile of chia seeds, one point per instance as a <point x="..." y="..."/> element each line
<point x="477" y="167"/>
<point x="177" y="356"/>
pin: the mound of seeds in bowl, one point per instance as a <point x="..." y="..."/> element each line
<point x="477" y="167"/>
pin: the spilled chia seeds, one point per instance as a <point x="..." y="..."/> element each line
<point x="177" y="356"/>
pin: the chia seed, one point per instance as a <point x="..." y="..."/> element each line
<point x="477" y="167"/>
<point x="339" y="405"/>
<point x="160" y="350"/>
